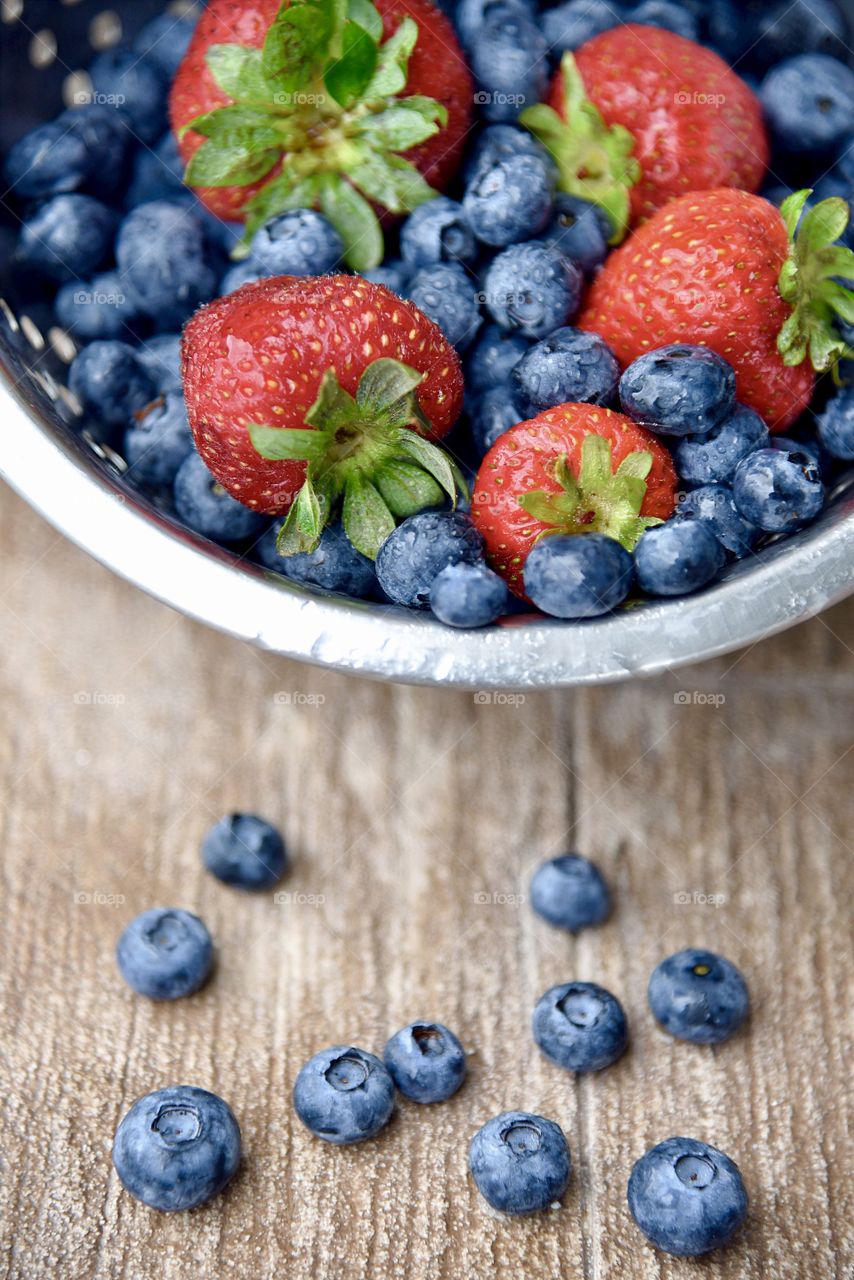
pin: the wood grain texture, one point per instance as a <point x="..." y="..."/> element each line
<point x="414" y="818"/>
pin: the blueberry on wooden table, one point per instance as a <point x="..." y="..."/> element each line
<point x="426" y="1061"/>
<point x="570" y="892"/>
<point x="245" y="851"/>
<point x="177" y="1148"/>
<point x="580" y="1026"/>
<point x="520" y="1162"/>
<point x="344" y="1094"/>
<point x="698" y="996"/>
<point x="165" y="953"/>
<point x="687" y="1197"/>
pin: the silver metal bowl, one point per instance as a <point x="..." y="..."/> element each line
<point x="47" y="455"/>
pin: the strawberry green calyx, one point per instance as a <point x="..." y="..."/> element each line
<point x="594" y="162"/>
<point x="363" y="455"/>
<point x="812" y="282"/>
<point x="320" y="101"/>
<point x="601" y="500"/>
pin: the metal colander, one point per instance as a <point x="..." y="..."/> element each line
<point x="49" y="454"/>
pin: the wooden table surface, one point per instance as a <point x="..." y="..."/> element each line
<point x="717" y="799"/>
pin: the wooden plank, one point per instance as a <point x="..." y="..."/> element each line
<point x="414" y="819"/>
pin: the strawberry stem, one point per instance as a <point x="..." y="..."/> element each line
<point x="361" y="453"/>
<point x="600" y="500"/>
<point x="817" y="280"/>
<point x="321" y="100"/>
<point x="594" y="162"/>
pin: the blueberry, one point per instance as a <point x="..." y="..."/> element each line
<point x="241" y="273"/>
<point x="578" y="576"/>
<point x="509" y="62"/>
<point x="492" y="413"/>
<point x="567" y="367"/>
<point x="47" y="161"/>
<point x="570" y="892"/>
<point x="812" y="448"/>
<point x="499" y="142"/>
<point x="393" y="274"/>
<point x="687" y="1197"/>
<point x="678" y="390"/>
<point x="713" y="504"/>
<point x="110" y="382"/>
<point x="437" y="231"/>
<point x="468" y="595"/>
<point x="472" y="14"/>
<point x="245" y="851"/>
<point x="158" y="442"/>
<point x="799" y="26"/>
<point x="580" y="1026"/>
<point x="97" y="309"/>
<point x="511" y="200"/>
<point x="165" y="953"/>
<point x="580" y="230"/>
<point x="414" y="554"/>
<point x="163" y="42"/>
<point x="68" y="238"/>
<point x="334" y="565"/>
<point x="447" y="296"/>
<point x="121" y="78"/>
<point x="532" y="288"/>
<point x="298" y="243"/>
<point x="492" y="358"/>
<point x="809" y="104"/>
<point x="177" y="1148"/>
<point x="678" y="557"/>
<point x="666" y="14"/>
<point x="426" y="1061"/>
<point x="520" y="1162"/>
<point x="107" y="140"/>
<point x="712" y="458"/>
<point x="835" y="425"/>
<point x="160" y="250"/>
<point x="160" y="356"/>
<point x="344" y="1095"/>
<point x="205" y="506"/>
<point x="569" y="25"/>
<point x="698" y="996"/>
<point x="158" y="174"/>
<point x="778" y="490"/>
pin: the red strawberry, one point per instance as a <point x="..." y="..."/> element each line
<point x="640" y="116"/>
<point x="574" y="469"/>
<point x="307" y="110"/>
<point x="724" y="269"/>
<point x="343" y="357"/>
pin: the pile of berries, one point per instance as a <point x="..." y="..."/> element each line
<point x="179" y="1146"/>
<point x="478" y="309"/>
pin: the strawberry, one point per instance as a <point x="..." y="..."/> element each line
<point x="729" y="271"/>
<point x="574" y="469"/>
<point x="639" y="116"/>
<point x="348" y="107"/>
<point x="305" y="391"/>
